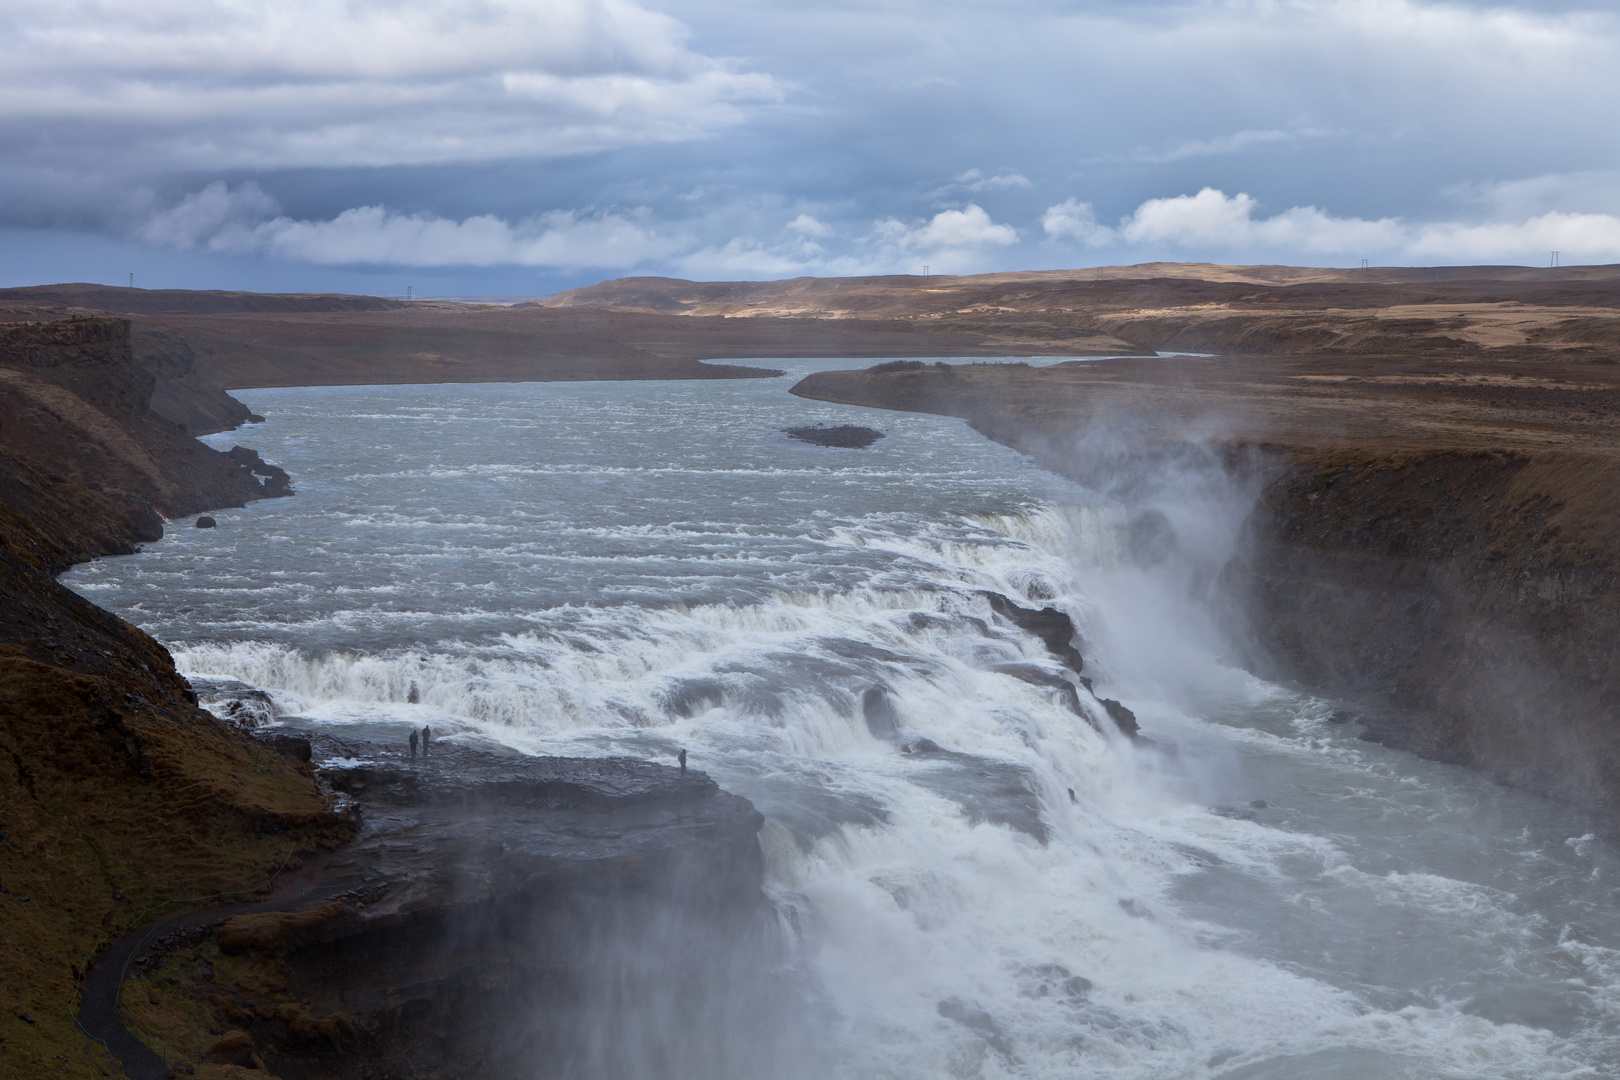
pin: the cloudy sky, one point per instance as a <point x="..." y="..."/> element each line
<point x="479" y="147"/>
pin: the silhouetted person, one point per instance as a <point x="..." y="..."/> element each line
<point x="682" y="756"/>
<point x="413" y="742"/>
<point x="427" y="737"/>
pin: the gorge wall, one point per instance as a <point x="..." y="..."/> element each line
<point x="1470" y="598"/>
<point x="119" y="797"/>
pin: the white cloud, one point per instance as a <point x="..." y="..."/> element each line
<point x="244" y="221"/>
<point x="1231" y="228"/>
<point x="949" y="230"/>
<point x="1591" y="190"/>
<point x="1076" y="220"/>
<point x="974" y="180"/>
<point x="199" y="218"/>
<point x="1577" y="237"/>
<point x="212" y="84"/>
<point x="1212" y="219"/>
<point x="805" y="225"/>
<point x="1210" y="224"/>
<point x="1237" y="142"/>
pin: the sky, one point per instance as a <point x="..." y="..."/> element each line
<point x="521" y="147"/>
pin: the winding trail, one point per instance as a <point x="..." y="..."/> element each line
<point x="98" y="1003"/>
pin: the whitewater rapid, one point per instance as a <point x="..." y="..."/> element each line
<point x="981" y="881"/>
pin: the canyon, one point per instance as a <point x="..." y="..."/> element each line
<point x="1432" y="457"/>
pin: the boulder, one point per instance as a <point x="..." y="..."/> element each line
<point x="881" y="719"/>
<point x="1049" y="624"/>
<point x="276" y="480"/>
<point x="289" y="743"/>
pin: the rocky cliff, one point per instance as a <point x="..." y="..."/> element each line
<point x="1471" y="598"/>
<point x="119" y="798"/>
<point x="496" y="916"/>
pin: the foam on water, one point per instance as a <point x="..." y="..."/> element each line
<point x="980" y="881"/>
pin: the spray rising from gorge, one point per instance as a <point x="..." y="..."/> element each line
<point x="973" y="870"/>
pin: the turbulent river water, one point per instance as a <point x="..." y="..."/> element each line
<point x="633" y="568"/>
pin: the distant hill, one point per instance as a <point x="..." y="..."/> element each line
<point x="905" y="295"/>
<point x="124" y="301"/>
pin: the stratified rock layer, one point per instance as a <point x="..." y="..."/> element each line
<point x="1471" y="597"/>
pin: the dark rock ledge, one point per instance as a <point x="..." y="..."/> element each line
<point x="493" y="912"/>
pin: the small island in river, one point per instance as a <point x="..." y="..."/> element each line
<point x="849" y="436"/>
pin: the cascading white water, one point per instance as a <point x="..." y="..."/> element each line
<point x="637" y="568"/>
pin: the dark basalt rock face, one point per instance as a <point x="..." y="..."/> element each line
<point x="1058" y="631"/>
<point x="507" y="916"/>
<point x="848" y="436"/>
<point x="276" y="480"/>
<point x="1469" y="601"/>
<point x="1053" y="627"/>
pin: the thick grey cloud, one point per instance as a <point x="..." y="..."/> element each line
<point x="528" y="144"/>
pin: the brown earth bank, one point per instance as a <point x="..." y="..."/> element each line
<point x="197" y="345"/>
<point x="1455" y="311"/>
<point x="1436" y="538"/>
<point x="119" y="798"/>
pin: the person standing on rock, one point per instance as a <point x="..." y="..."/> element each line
<point x="427" y="737"/>
<point x="682" y="756"/>
<point x="413" y="742"/>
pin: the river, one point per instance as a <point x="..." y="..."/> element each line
<point x="976" y="879"/>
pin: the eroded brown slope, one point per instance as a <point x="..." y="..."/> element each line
<point x="1436" y="538"/>
<point x="119" y="798"/>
